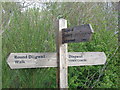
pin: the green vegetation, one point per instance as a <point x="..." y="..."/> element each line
<point x="34" y="31"/>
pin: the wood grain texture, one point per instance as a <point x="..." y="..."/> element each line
<point x="81" y="33"/>
<point x="74" y="59"/>
<point x="62" y="62"/>
<point x="31" y="60"/>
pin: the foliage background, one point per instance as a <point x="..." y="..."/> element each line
<point x="34" y="30"/>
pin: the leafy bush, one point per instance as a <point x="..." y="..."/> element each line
<point x="34" y="31"/>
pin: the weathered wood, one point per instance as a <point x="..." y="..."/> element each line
<point x="62" y="62"/>
<point x="39" y="60"/>
<point x="81" y="33"/>
<point x="31" y="60"/>
<point x="86" y="58"/>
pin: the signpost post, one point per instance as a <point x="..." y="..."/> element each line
<point x="60" y="59"/>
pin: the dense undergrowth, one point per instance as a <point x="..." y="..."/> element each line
<point x="34" y="31"/>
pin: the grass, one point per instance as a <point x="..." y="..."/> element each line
<point x="34" y="31"/>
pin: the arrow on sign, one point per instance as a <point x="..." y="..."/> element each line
<point x="37" y="60"/>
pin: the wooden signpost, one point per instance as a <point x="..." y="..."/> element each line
<point x="42" y="60"/>
<point x="62" y="58"/>
<point x="62" y="62"/>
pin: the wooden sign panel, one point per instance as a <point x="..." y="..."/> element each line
<point x="39" y="60"/>
<point x="81" y="33"/>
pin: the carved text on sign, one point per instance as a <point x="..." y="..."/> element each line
<point x="35" y="60"/>
<point x="77" y="34"/>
